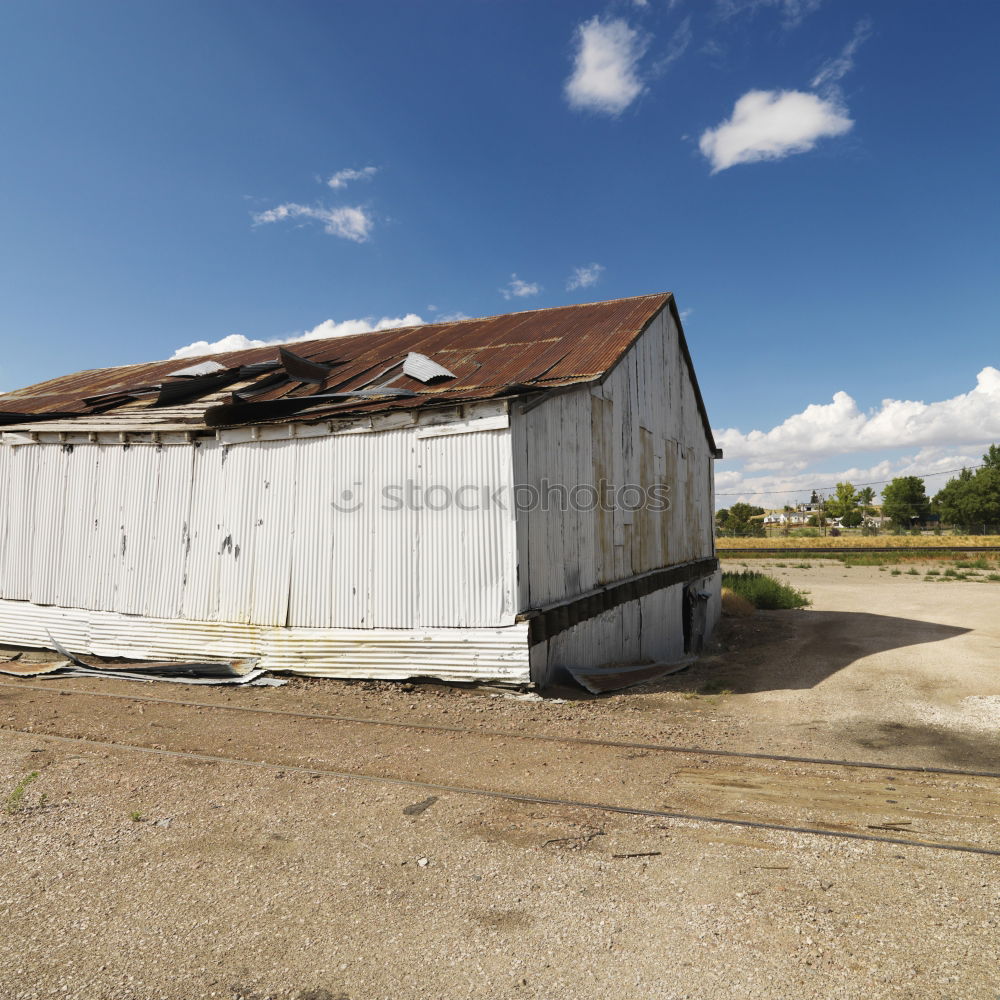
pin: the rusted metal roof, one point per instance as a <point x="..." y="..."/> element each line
<point x="508" y="355"/>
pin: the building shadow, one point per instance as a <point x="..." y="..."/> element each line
<point x="790" y="650"/>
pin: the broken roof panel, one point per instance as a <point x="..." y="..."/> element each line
<point x="302" y="369"/>
<point x="424" y="369"/>
<point x="505" y="355"/>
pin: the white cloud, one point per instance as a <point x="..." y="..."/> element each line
<point x="793" y="12"/>
<point x="772" y="124"/>
<point x="342" y="177"/>
<point x="584" y="277"/>
<point x="811" y="449"/>
<point x="840" y="427"/>
<point x="605" y="73"/>
<point x="934" y="465"/>
<point x="837" y="68"/>
<point x="518" y="289"/>
<point x="676" y="47"/>
<point x="348" y="222"/>
<point x="328" y="328"/>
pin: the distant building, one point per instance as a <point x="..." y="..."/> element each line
<point x="787" y="519"/>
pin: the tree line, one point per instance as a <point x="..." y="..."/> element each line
<point x="970" y="502"/>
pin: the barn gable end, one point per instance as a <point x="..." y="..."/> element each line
<point x="602" y="582"/>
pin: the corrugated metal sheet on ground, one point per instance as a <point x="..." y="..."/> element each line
<point x="473" y="654"/>
<point x="601" y="680"/>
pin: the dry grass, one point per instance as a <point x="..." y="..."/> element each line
<point x="734" y="606"/>
<point x="860" y="542"/>
<point x="764" y="592"/>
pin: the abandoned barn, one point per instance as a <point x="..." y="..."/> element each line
<point x="490" y="499"/>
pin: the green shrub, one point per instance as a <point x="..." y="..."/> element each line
<point x="15" y="801"/>
<point x="865" y="558"/>
<point x="763" y="591"/>
<point x="979" y="563"/>
<point x="805" y="533"/>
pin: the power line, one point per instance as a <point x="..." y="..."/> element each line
<point x="817" y="489"/>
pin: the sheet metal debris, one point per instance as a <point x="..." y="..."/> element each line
<point x="601" y="680"/>
<point x="236" y="672"/>
<point x="423" y="369"/>
<point x="194" y="385"/>
<point x="303" y="370"/>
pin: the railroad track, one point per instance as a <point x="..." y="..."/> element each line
<point x="855" y="550"/>
<point x="787" y="791"/>
<point x="512" y="735"/>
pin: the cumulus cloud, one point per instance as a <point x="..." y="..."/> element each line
<point x="328" y="328"/>
<point x="584" y="277"/>
<point x="518" y="289"/>
<point x="349" y="222"/>
<point x="343" y="177"/>
<point x="840" y="427"/>
<point x="605" y="75"/>
<point x="910" y="438"/>
<point x="837" y="68"/>
<point x="795" y="485"/>
<point x="772" y="124"/>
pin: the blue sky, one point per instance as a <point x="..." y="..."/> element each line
<point x="815" y="180"/>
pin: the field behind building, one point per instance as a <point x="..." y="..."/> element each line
<point x="929" y="542"/>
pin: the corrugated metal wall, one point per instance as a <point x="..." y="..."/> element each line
<point x="251" y="532"/>
<point x="457" y="654"/>
<point x="647" y="630"/>
<point x="642" y="427"/>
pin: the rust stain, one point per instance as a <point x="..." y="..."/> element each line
<point x="495" y="356"/>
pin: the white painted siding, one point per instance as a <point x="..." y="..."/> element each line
<point x="643" y="427"/>
<point x="647" y="630"/>
<point x="248" y="533"/>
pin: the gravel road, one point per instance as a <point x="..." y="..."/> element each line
<point x="138" y="877"/>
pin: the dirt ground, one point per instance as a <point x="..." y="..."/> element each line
<point x="144" y="875"/>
